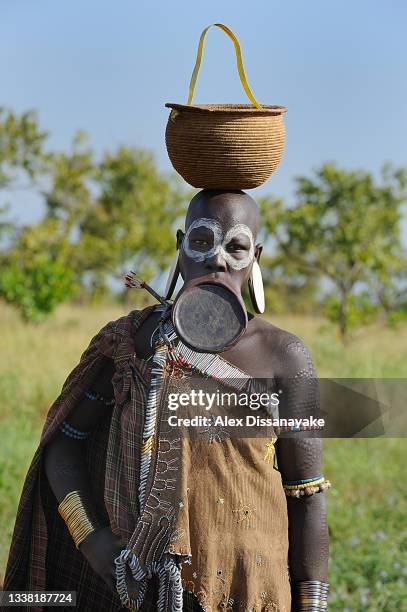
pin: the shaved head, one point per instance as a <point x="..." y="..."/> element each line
<point x="227" y="207"/>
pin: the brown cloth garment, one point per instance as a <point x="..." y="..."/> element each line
<point x="252" y="566"/>
<point x="232" y="515"/>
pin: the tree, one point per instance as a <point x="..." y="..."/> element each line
<point x="118" y="212"/>
<point x="35" y="276"/>
<point x="28" y="279"/>
<point x="22" y="157"/>
<point x="344" y="230"/>
<point x="21" y="148"/>
<point x="134" y="213"/>
<point x="101" y="217"/>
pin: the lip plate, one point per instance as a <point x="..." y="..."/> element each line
<point x="209" y="317"/>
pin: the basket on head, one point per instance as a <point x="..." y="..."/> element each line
<point x="225" y="146"/>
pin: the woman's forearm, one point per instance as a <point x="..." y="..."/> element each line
<point x="308" y="538"/>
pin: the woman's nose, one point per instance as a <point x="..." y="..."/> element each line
<point x="216" y="263"/>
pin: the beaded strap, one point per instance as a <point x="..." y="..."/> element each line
<point x="93" y="396"/>
<point x="161" y="350"/>
<point x="72" y="432"/>
<point x="170" y="592"/>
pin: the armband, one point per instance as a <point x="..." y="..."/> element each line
<point x="309" y="486"/>
<point x="93" y="396"/>
<point x="72" y="432"/>
<point x="77" y="517"/>
<point x="310" y="596"/>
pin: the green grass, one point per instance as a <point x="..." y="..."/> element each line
<point x="367" y="518"/>
<point x="367" y="502"/>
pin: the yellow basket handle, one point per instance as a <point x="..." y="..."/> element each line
<point x="239" y="61"/>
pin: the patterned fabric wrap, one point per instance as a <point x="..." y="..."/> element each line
<point x="35" y="565"/>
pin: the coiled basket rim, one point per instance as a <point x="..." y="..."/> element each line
<point x="244" y="109"/>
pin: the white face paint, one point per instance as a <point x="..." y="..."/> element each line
<point x="200" y="255"/>
<point x="217" y="243"/>
<point x="235" y="230"/>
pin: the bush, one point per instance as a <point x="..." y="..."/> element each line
<point x="36" y="286"/>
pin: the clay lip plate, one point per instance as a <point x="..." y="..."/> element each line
<point x="209" y="317"/>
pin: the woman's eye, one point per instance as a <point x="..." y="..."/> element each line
<point x="199" y="242"/>
<point x="235" y="248"/>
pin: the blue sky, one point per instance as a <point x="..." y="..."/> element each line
<point x="109" y="68"/>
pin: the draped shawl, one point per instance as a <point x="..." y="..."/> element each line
<point x="42" y="554"/>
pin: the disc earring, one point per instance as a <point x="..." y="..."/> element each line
<point x="256" y="289"/>
<point x="172" y="277"/>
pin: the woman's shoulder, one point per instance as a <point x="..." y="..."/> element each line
<point x="288" y="350"/>
<point x="128" y="323"/>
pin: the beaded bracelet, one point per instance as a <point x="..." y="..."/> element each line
<point x="308" y="486"/>
<point x="296" y="428"/>
<point x="92" y="395"/>
<point x="72" y="432"/>
<point x="291" y="483"/>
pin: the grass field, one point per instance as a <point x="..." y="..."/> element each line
<point x="367" y="503"/>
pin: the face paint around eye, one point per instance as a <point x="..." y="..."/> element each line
<point x="220" y="241"/>
<point x="238" y="264"/>
<point x="201" y="255"/>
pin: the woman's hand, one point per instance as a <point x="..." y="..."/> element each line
<point x="101" y="548"/>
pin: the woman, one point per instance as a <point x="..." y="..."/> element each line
<point x="158" y="520"/>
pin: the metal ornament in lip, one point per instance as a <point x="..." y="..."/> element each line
<point x="209" y="315"/>
<point x="133" y="281"/>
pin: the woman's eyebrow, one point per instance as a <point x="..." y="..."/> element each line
<point x="201" y="230"/>
<point x="240" y="238"/>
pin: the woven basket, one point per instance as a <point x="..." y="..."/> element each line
<point x="225" y="146"/>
